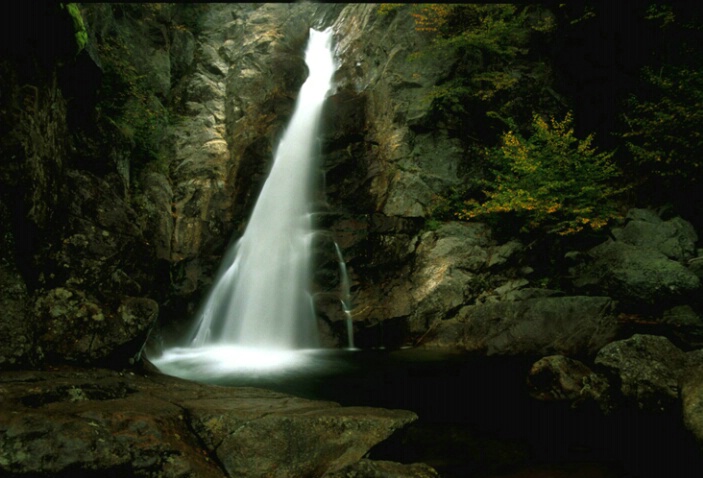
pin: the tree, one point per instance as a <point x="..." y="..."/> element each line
<point x="664" y="135"/>
<point x="495" y="70"/>
<point x="550" y="180"/>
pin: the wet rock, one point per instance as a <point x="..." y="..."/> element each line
<point x="15" y="330"/>
<point x="692" y="402"/>
<point x="34" y="144"/>
<point x="89" y="307"/>
<point x="75" y="327"/>
<point x="560" y="378"/>
<point x="384" y="469"/>
<point x="575" y="326"/>
<point x="648" y="369"/>
<point x="684" y="325"/>
<point x="289" y="437"/>
<point x="93" y="422"/>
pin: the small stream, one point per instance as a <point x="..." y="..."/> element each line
<point x="477" y="420"/>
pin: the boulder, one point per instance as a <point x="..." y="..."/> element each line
<point x="644" y="264"/>
<point x="647" y="368"/>
<point x="576" y="326"/>
<point x="675" y="238"/>
<point x="560" y="378"/>
<point x="692" y="401"/>
<point x="98" y="422"/>
<point x="637" y="276"/>
<point x="684" y="325"/>
<point x="75" y="327"/>
<point x="450" y="262"/>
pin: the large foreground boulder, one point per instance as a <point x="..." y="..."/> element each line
<point x="103" y="423"/>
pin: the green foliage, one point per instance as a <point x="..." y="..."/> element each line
<point x="494" y="71"/>
<point x="551" y="180"/>
<point x="661" y="14"/>
<point x="78" y="24"/>
<point x="665" y="136"/>
<point x="129" y="103"/>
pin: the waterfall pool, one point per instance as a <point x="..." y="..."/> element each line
<point x="476" y="416"/>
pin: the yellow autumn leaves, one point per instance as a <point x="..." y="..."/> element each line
<point x="551" y="180"/>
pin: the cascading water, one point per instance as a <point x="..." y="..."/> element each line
<point x="345" y="293"/>
<point x="260" y="300"/>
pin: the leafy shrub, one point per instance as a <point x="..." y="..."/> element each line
<point x="551" y="180"/>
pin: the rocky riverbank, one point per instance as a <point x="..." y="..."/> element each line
<point x="96" y="422"/>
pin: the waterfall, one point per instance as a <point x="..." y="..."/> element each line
<point x="260" y="298"/>
<point x="345" y="295"/>
<point x="259" y="315"/>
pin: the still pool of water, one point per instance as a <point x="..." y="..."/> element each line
<point x="476" y="417"/>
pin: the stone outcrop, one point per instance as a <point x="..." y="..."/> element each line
<point x="644" y="265"/>
<point x="102" y="422"/>
<point x="574" y="325"/>
<point x="385" y="171"/>
<point x="648" y="369"/>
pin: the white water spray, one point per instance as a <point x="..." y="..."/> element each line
<point x="345" y="295"/>
<point x="261" y="297"/>
<point x="259" y="316"/>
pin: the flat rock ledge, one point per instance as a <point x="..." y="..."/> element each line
<point x="100" y="423"/>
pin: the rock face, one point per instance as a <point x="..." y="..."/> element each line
<point x="692" y="398"/>
<point x="97" y="422"/>
<point x="17" y="333"/>
<point x="563" y="325"/>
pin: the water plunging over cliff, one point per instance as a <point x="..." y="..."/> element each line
<point x="261" y="298"/>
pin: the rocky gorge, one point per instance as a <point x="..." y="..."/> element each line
<point x="131" y="161"/>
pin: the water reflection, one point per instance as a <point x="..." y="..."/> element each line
<point x="237" y="365"/>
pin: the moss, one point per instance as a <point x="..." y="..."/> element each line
<point x="78" y="25"/>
